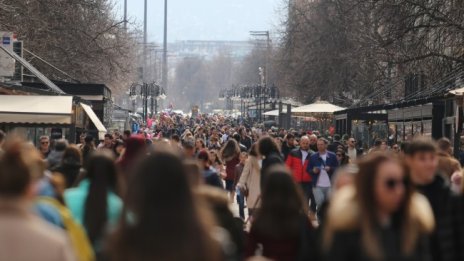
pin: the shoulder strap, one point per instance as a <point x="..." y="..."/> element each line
<point x="254" y="207"/>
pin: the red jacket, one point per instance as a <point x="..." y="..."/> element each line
<point x="294" y="162"/>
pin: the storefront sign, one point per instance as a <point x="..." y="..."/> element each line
<point x="7" y="63"/>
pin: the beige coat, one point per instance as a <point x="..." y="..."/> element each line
<point x="25" y="237"/>
<point x="251" y="178"/>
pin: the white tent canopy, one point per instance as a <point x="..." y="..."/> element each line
<point x="275" y="112"/>
<point x="317" y="107"/>
<point x="458" y="92"/>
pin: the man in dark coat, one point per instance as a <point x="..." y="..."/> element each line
<point x="269" y="150"/>
<point x="236" y="137"/>
<point x="336" y="142"/>
<point x="245" y="139"/>
<point x="422" y="159"/>
<point x="288" y="145"/>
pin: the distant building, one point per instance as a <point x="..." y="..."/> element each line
<point x="208" y="49"/>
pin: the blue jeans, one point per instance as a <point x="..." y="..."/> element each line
<point x="241" y="205"/>
<point x="321" y="194"/>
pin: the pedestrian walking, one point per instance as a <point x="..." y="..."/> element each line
<point x="322" y="165"/>
<point x="249" y="183"/>
<point x="56" y="154"/>
<point x="352" y="151"/>
<point x="163" y="223"/>
<point x="44" y="146"/>
<point x="342" y="158"/>
<point x="281" y="226"/>
<point x="447" y="164"/>
<point x="244" y="138"/>
<point x="88" y="148"/>
<point x="70" y="166"/>
<point x="238" y="173"/>
<point x="422" y="159"/>
<point x="333" y="147"/>
<point x="297" y="161"/>
<point x="217" y="164"/>
<point x="107" y="143"/>
<point x="380" y="218"/>
<point x="230" y="155"/>
<point x="25" y="236"/>
<point x="210" y="176"/>
<point x="270" y="152"/>
<point x="94" y="203"/>
<point x="313" y="142"/>
<point x="118" y="148"/>
<point x="288" y="145"/>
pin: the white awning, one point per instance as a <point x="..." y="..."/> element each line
<point x="458" y="92"/>
<point x="96" y="121"/>
<point x="35" y="109"/>
<point x="275" y="112"/>
<point x="317" y="107"/>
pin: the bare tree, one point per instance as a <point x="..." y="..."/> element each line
<point x="351" y="50"/>
<point x="81" y="37"/>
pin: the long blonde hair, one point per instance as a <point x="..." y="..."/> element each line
<point x="354" y="208"/>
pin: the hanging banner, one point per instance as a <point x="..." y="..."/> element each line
<point x="7" y="63"/>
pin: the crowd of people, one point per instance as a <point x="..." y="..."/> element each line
<point x="209" y="189"/>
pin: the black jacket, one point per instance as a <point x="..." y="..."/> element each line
<point x="442" y="243"/>
<point x="247" y="142"/>
<point x="334" y="146"/>
<point x="268" y="162"/>
<point x="313" y="147"/>
<point x="286" y="149"/>
<point x="347" y="246"/>
<point x="458" y="225"/>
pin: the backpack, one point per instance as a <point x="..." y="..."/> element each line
<point x="79" y="240"/>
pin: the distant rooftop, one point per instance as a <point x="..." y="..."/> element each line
<point x="209" y="49"/>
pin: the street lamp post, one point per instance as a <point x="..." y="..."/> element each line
<point x="148" y="91"/>
<point x="125" y="15"/>
<point x="164" y="81"/>
<point x="145" y="10"/>
<point x="268" y="50"/>
<point x="259" y="94"/>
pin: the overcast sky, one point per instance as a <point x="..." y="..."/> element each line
<point x="206" y="19"/>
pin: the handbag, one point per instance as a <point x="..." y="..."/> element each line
<point x="245" y="191"/>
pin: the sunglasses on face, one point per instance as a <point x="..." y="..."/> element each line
<point x="392" y="183"/>
<point x="44" y="142"/>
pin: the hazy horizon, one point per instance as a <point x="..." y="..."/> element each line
<point x="205" y="19"/>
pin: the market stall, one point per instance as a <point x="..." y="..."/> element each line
<point x="56" y="116"/>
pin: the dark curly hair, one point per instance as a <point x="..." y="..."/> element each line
<point x="267" y="146"/>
